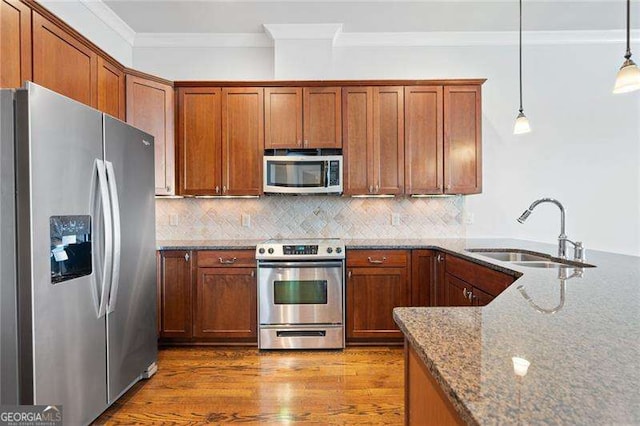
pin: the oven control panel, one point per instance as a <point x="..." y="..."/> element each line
<point x="300" y="250"/>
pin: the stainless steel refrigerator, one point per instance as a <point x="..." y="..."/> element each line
<point x="77" y="254"/>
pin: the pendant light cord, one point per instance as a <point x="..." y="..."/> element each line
<point x="520" y="52"/>
<point x="628" y="54"/>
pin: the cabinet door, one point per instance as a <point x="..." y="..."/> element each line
<point x="358" y="140"/>
<point x="456" y="291"/>
<point x="462" y="140"/>
<point x="199" y="141"/>
<point x="480" y="298"/>
<point x="226" y="304"/>
<point x="423" y="140"/>
<point x="423" y="270"/>
<point x="388" y="140"/>
<point x="15" y="49"/>
<point x="322" y="117"/>
<point x="111" y="89"/>
<point x="62" y="63"/>
<point x="372" y="293"/>
<point x="150" y="108"/>
<point x="242" y="140"/>
<point x="283" y="117"/>
<point x="175" y="294"/>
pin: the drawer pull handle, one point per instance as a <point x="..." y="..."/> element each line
<point x="376" y="261"/>
<point x="227" y="261"/>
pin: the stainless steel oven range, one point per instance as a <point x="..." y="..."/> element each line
<point x="301" y="294"/>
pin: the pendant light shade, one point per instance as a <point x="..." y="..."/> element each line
<point x="522" y="122"/>
<point x="522" y="125"/>
<point x="628" y="78"/>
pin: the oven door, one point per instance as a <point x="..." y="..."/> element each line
<point x="300" y="292"/>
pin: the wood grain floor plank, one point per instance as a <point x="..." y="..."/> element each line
<point x="212" y="385"/>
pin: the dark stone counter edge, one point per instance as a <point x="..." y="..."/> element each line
<point x="463" y="254"/>
<point x="459" y="406"/>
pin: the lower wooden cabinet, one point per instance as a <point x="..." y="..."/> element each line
<point x="174" y="294"/>
<point x="207" y="297"/>
<point x="423" y="277"/>
<point x="225" y="307"/>
<point x="425" y="402"/>
<point x="372" y="291"/>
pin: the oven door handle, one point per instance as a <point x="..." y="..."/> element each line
<point x="323" y="264"/>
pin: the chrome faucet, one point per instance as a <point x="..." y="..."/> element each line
<point x="578" y="254"/>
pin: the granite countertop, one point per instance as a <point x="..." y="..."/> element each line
<point x="581" y="335"/>
<point x="580" y="331"/>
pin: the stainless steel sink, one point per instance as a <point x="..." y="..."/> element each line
<point x="512" y="256"/>
<point x="543" y="264"/>
<point x="528" y="259"/>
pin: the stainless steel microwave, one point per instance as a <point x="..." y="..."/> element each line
<point x="302" y="174"/>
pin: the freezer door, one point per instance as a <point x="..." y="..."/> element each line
<point x="131" y="317"/>
<point x="8" y="297"/>
<point x="62" y="338"/>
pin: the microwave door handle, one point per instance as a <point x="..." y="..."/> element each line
<point x="327" y="166"/>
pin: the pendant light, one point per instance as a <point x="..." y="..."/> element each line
<point x="628" y="78"/>
<point x="522" y="122"/>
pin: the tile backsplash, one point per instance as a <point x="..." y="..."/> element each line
<point x="308" y="216"/>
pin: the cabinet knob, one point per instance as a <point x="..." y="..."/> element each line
<point x="377" y="188"/>
<point x="370" y="189"/>
<point x="466" y="293"/>
<point x="186" y="257"/>
<point x="253" y="274"/>
<point x="349" y="274"/>
<point x="439" y="258"/>
<point x="224" y="189"/>
<point x="217" y="189"/>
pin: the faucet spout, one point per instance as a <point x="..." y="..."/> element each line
<point x="562" y="238"/>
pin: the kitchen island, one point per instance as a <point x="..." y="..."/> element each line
<point x="579" y="330"/>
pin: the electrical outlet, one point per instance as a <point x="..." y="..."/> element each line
<point x="173" y="219"/>
<point x="469" y="218"/>
<point x="395" y="219"/>
<point x="246" y="220"/>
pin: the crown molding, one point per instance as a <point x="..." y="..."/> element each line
<point x="480" y="38"/>
<point x="202" y="40"/>
<point x="397" y="39"/>
<point x="109" y="17"/>
<point x="303" y="31"/>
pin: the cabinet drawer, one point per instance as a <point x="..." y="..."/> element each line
<point x="226" y="258"/>
<point x="487" y="280"/>
<point x="381" y="258"/>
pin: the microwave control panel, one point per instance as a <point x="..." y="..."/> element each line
<point x="334" y="173"/>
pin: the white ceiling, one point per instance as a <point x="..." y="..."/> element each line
<point x="230" y="16"/>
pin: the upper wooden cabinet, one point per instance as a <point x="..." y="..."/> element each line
<point x="443" y="140"/>
<point x="111" y="88"/>
<point x="242" y="140"/>
<point x="423" y="139"/>
<point x="297" y="117"/>
<point x="199" y="147"/>
<point x="373" y="140"/>
<point x="63" y="63"/>
<point x="150" y="108"/>
<point x="220" y="141"/>
<point x="15" y="45"/>
<point x="462" y="140"/>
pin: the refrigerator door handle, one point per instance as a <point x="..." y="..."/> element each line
<point x="115" y="209"/>
<point x="108" y="236"/>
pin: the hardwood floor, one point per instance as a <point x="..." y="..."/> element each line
<point x="203" y="385"/>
